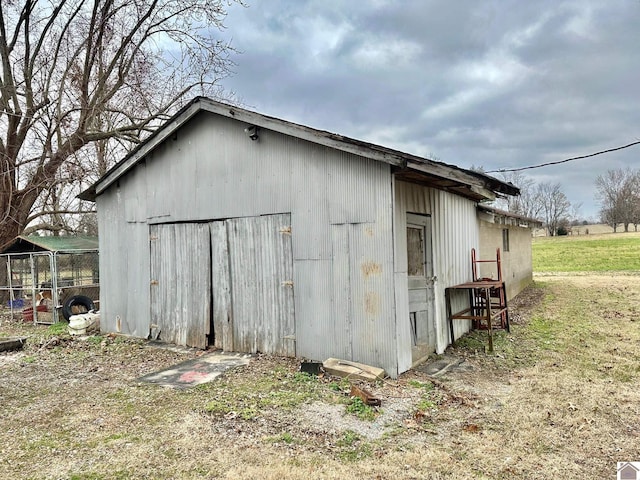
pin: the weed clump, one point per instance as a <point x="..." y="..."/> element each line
<point x="361" y="410"/>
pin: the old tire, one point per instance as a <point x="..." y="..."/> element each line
<point x="75" y="305"/>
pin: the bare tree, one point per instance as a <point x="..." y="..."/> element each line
<point x="618" y="192"/>
<point x="635" y="194"/>
<point x="608" y="188"/>
<point x="573" y="219"/>
<point x="527" y="203"/>
<point x="59" y="211"/>
<point x="544" y="201"/>
<point x="73" y="73"/>
<point x="556" y="208"/>
<point x="632" y="200"/>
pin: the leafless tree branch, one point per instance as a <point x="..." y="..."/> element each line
<point x="75" y="74"/>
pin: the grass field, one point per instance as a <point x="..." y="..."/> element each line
<point x="613" y="252"/>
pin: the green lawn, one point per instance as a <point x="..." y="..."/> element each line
<point x="587" y="253"/>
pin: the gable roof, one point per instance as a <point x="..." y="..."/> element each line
<point x="65" y="243"/>
<point x="412" y="168"/>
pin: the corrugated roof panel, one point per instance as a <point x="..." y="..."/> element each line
<point x="35" y="243"/>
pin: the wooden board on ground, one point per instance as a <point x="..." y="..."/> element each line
<point x="353" y="370"/>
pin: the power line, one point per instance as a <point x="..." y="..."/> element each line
<point x="563" y="161"/>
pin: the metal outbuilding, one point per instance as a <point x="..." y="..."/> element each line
<point x="233" y="229"/>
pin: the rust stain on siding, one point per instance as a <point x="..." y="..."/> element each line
<point x="371" y="268"/>
<point x="372" y="303"/>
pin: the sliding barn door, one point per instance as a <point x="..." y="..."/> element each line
<point x="181" y="283"/>
<point x="252" y="284"/>
<point x="227" y="283"/>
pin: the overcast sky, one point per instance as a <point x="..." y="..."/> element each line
<point x="497" y="84"/>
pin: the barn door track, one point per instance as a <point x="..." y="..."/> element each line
<point x="199" y="370"/>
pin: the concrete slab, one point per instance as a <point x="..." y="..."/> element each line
<point x="196" y="371"/>
<point x="443" y="364"/>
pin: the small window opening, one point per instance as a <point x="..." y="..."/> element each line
<point x="505" y="239"/>
<point x="415" y="251"/>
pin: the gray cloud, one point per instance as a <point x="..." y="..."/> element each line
<point x="500" y="84"/>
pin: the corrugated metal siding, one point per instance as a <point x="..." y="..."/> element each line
<point x="158" y="200"/>
<point x="124" y="261"/>
<point x="309" y="191"/>
<point x="215" y="159"/>
<point x="454" y="233"/>
<point x="340" y="286"/>
<point x="244" y="265"/>
<point x="212" y="158"/>
<point x="319" y="332"/>
<point x="135" y="196"/>
<point x="372" y="301"/>
<point x="350" y="199"/>
<point x="344" y="307"/>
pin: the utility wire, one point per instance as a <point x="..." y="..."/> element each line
<point x="563" y="161"/>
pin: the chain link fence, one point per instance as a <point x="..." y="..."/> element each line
<point x="35" y="286"/>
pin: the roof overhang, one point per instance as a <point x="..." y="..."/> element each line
<point x="521" y="220"/>
<point x="466" y="183"/>
<point x="473" y="185"/>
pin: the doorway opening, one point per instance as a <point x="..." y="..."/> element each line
<point x="421" y="278"/>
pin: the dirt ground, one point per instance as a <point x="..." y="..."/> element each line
<point x="558" y="399"/>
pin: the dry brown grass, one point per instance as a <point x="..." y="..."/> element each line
<point x="559" y="399"/>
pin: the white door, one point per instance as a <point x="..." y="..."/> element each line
<point x="420" y="280"/>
